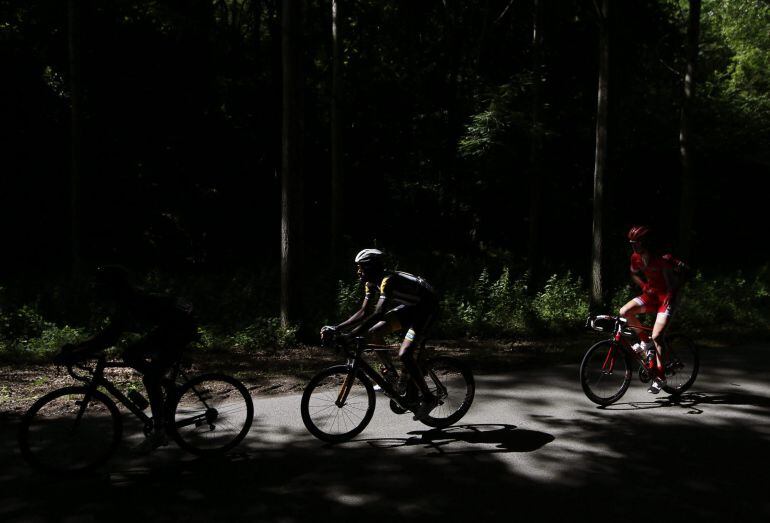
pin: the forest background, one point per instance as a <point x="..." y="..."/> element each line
<point x="152" y="134"/>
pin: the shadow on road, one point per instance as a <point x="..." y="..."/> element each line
<point x="699" y="472"/>
<point x="582" y="462"/>
<point x="692" y="402"/>
<point x="483" y="438"/>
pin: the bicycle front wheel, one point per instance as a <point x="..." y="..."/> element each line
<point x="64" y="433"/>
<point x="681" y="363"/>
<point x="337" y="404"/>
<point x="212" y="414"/>
<point x="605" y="372"/>
<point x="453" y="385"/>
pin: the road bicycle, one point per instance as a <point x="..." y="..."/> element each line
<point x="339" y="402"/>
<point x="77" y="428"/>
<point x="607" y="366"/>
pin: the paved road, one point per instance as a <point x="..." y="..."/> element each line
<point x="532" y="448"/>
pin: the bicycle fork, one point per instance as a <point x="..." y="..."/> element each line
<point x="609" y="361"/>
<point x="83" y="404"/>
<point x="347" y="384"/>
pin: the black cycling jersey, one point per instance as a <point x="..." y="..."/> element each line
<point x="401" y="288"/>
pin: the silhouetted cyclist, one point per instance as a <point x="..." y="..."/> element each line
<point x="166" y="326"/>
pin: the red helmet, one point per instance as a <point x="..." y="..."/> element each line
<point x="638" y="233"/>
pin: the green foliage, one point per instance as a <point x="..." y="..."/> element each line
<point x="22" y="323"/>
<point x="260" y="334"/>
<point x="264" y="333"/>
<point x="742" y="26"/>
<point x="732" y="304"/>
<point x="5" y="394"/>
<point x="563" y="303"/>
<point x="493" y="305"/>
<point x="734" y="71"/>
<point x="620" y="297"/>
<point x="26" y="334"/>
<point x="503" y="307"/>
<point x="51" y="339"/>
<point x="493" y="126"/>
<point x="349" y="297"/>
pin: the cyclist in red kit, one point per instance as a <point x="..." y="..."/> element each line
<point x="659" y="278"/>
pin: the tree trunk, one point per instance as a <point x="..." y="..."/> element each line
<point x="291" y="164"/>
<point x="76" y="139"/>
<point x="597" y="298"/>
<point x="534" y="255"/>
<point x="687" y="203"/>
<point x="336" y="179"/>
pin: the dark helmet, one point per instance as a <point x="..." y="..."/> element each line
<point x="639" y="233"/>
<point x="369" y="257"/>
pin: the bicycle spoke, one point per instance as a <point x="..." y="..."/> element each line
<point x="63" y="433"/>
<point x="213" y="414"/>
<point x="605" y="372"/>
<point x="328" y="419"/>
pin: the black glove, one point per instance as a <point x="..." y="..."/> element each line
<point x="327" y="334"/>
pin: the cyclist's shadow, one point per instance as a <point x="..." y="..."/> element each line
<point x="693" y="401"/>
<point x="483" y="438"/>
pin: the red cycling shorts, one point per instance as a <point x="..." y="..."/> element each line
<point x="658" y="302"/>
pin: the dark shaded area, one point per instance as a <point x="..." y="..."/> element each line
<point x="181" y="140"/>
<point x="592" y="463"/>
<point x="702" y="472"/>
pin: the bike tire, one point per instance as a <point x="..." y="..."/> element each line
<point x="55" y="437"/>
<point x="682" y="363"/>
<point x="595" y="377"/>
<point x="452" y="382"/>
<point x="328" y="421"/>
<point x="211" y="414"/>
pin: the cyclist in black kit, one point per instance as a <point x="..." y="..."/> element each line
<point x="166" y="326"/>
<point x="393" y="301"/>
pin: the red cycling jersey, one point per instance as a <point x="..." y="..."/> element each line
<point x="658" y="291"/>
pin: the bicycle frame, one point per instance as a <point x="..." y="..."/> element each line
<point x="620" y="340"/>
<point x="97" y="379"/>
<point x="356" y="362"/>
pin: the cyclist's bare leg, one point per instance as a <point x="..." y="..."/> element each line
<point x="658" y="331"/>
<point x="376" y="335"/>
<point x="406" y="355"/>
<point x="630" y="311"/>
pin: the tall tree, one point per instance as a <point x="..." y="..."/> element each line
<point x="76" y="129"/>
<point x="536" y="149"/>
<point x="291" y="162"/>
<point x="336" y="178"/>
<point x="687" y="202"/>
<point x="597" y="296"/>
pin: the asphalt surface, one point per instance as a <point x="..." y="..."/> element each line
<point x="532" y="448"/>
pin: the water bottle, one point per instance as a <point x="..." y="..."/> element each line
<point x="651" y="353"/>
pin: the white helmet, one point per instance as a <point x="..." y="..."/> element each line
<point x="369" y="256"/>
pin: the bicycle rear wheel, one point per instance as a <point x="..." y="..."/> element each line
<point x="452" y="383"/>
<point x="605" y="372"/>
<point x="681" y="362"/>
<point x="62" y="433"/>
<point x="212" y="414"/>
<point x="337" y="405"/>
